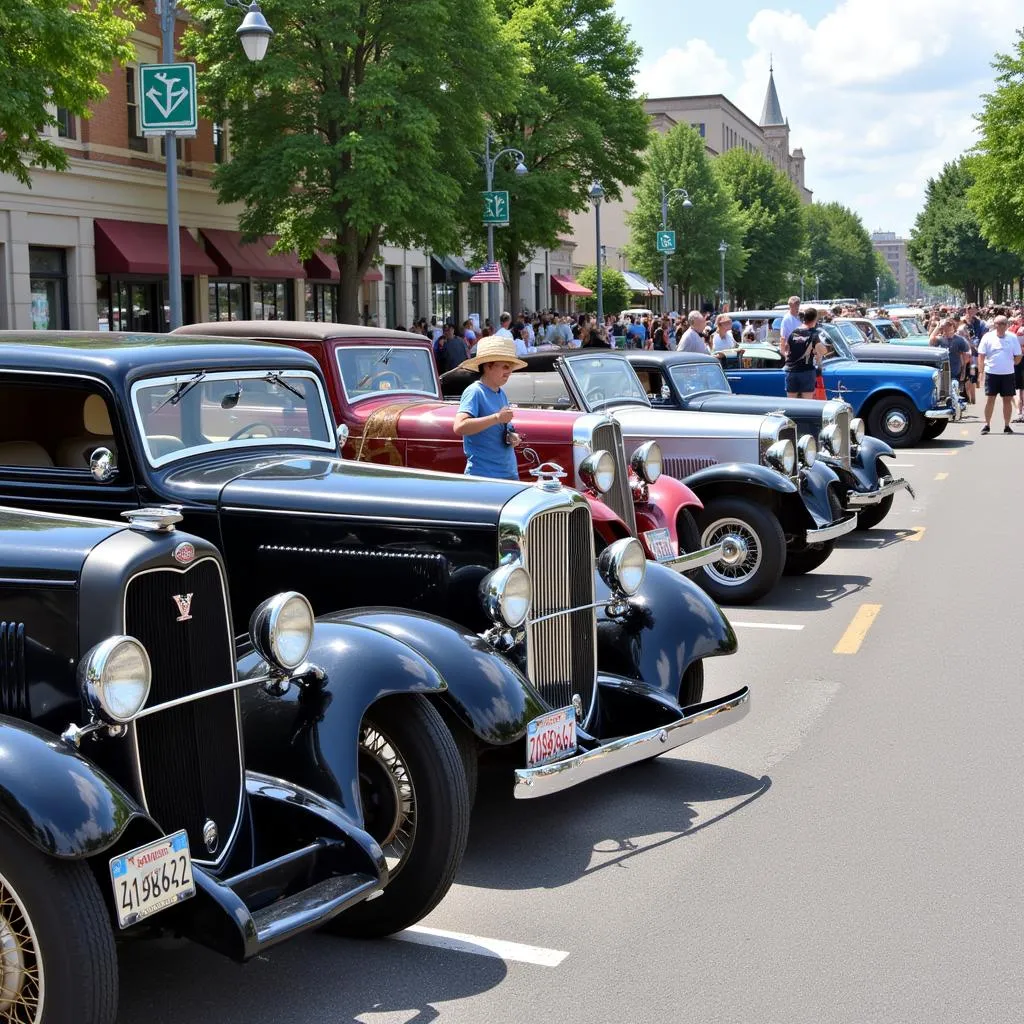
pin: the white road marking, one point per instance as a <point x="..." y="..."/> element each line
<point x="902" y="465"/>
<point x="765" y="625"/>
<point x="479" y="946"/>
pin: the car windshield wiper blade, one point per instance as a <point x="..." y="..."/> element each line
<point x="382" y="358"/>
<point x="182" y="390"/>
<point x="273" y="377"/>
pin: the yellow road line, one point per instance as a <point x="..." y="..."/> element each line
<point x="855" y="633"/>
<point x="941" y="476"/>
<point x="917" y="534"/>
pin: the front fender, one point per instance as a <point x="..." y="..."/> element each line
<point x="608" y="527"/>
<point x="58" y="800"/>
<point x="813" y="503"/>
<point x="666" y="498"/>
<point x="730" y="475"/>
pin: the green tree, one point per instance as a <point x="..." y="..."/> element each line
<point x="838" y="251"/>
<point x="678" y="159"/>
<point x="576" y="120"/>
<point x="888" y="286"/>
<point x="615" y="293"/>
<point x="946" y="244"/>
<point x="359" y="127"/>
<point x="773" y="224"/>
<point x="53" y="55"/>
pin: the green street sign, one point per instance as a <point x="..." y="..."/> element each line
<point x="496" y="209"/>
<point x="167" y="99"/>
<point x="666" y="242"/>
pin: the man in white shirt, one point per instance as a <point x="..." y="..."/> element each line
<point x="722" y="339"/>
<point x="692" y="339"/>
<point x="999" y="352"/>
<point x="503" y="331"/>
<point x="791" y="321"/>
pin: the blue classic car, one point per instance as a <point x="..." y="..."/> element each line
<point x="899" y="403"/>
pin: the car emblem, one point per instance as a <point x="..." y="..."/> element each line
<point x="211" y="836"/>
<point x="184" y="553"/>
<point x="184" y="603"/>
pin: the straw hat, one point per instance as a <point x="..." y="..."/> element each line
<point x="494" y="350"/>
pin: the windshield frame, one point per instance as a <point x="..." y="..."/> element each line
<point x="436" y="394"/>
<point x="576" y="387"/>
<point x="329" y="447"/>
<point x="683" y="395"/>
<point x="839" y="342"/>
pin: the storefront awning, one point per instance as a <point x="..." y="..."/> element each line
<point x="322" y="266"/>
<point x="125" y="247"/>
<point x="448" y="269"/>
<point x="235" y="258"/>
<point x="636" y="283"/>
<point x="562" y="284"/>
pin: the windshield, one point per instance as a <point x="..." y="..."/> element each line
<point x="910" y="325"/>
<point x="200" y="412"/>
<point x="838" y="340"/>
<point x="605" y="380"/>
<point x="887" y="330"/>
<point x="693" y="378"/>
<point x="368" y="370"/>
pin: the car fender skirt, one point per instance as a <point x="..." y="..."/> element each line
<point x="815" y="511"/>
<point x="58" y="800"/>
<point x="869" y="449"/>
<point x="730" y="475"/>
<point x="670" y="495"/>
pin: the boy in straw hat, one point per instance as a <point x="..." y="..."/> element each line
<point x="484" y="419"/>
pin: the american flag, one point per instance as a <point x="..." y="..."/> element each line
<point x="489" y="273"/>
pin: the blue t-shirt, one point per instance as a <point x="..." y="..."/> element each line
<point x="637" y="331"/>
<point x="486" y="452"/>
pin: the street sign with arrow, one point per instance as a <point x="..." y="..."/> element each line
<point x="167" y="99"/>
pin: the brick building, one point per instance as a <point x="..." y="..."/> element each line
<point x="894" y="251"/>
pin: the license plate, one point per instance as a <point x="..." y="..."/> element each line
<point x="659" y="543"/>
<point x="152" y="878"/>
<point x="551" y="737"/>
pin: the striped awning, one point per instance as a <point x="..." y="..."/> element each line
<point x="636" y="283"/>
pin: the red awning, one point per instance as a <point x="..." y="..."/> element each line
<point x="235" y="258"/>
<point x="373" y="274"/>
<point x="562" y="284"/>
<point x="322" y="266"/>
<point x="126" y="247"/>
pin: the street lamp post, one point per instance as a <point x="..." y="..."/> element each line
<point x="801" y="287"/>
<point x="723" y="248"/>
<point x="254" y="34"/>
<point x="490" y="162"/>
<point x="878" y="291"/>
<point x="596" y="195"/>
<point x="817" y="282"/>
<point x="667" y="195"/>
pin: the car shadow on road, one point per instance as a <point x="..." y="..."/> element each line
<point x="813" y="592"/>
<point x="315" y="978"/>
<point x="941" y="442"/>
<point x="551" y="842"/>
<point x="875" y="539"/>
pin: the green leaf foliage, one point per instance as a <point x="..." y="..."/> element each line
<point x="53" y="54"/>
<point x="773" y="225"/>
<point x="575" y="120"/>
<point x="615" y="293"/>
<point x="360" y="126"/>
<point x="839" y="251"/>
<point x="888" y="286"/>
<point x="678" y="159"/>
<point x="946" y="244"/>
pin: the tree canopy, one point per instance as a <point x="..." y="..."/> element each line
<point x="773" y="225"/>
<point x="678" y="159"/>
<point x="575" y="119"/>
<point x="360" y="126"/>
<point x="838" y="251"/>
<point x="615" y="293"/>
<point x="53" y="55"/>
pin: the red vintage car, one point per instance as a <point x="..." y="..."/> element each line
<point x="387" y="401"/>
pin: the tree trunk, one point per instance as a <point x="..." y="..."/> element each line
<point x="354" y="254"/>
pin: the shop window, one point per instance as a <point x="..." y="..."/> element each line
<point x="139" y="304"/>
<point x="476" y="300"/>
<point x="271" y="300"/>
<point x="390" y="290"/>
<point x="444" y="301"/>
<point x="417" y="293"/>
<point x="321" y="302"/>
<point x="136" y="140"/>
<point x="229" y="300"/>
<point x="48" y="281"/>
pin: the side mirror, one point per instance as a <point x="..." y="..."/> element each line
<point x="102" y="465"/>
<point x="342" y="434"/>
<point x="665" y="393"/>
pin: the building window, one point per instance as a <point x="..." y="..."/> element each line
<point x="321" y="302"/>
<point x="65" y="124"/>
<point x="417" y="293"/>
<point x="179" y="146"/>
<point x="139" y="304"/>
<point x="136" y="140"/>
<point x="228" y="300"/>
<point x="538" y="291"/>
<point x="476" y="300"/>
<point x="271" y="300"/>
<point x="48" y="282"/>
<point x="444" y="300"/>
<point x="390" y="309"/>
<point x="219" y="143"/>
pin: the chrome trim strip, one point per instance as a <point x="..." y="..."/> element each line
<point x="837" y="529"/>
<point x="857" y="499"/>
<point x="695" y="559"/>
<point x="551" y="778"/>
<point x="202" y="694"/>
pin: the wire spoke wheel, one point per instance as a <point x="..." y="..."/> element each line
<point x="389" y="796"/>
<point x="743" y="551"/>
<point x="21" y="969"/>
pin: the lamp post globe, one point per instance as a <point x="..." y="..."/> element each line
<point x="254" y="33"/>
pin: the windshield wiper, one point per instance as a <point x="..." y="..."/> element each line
<point x="382" y="358"/>
<point x="181" y="390"/>
<point x="273" y="377"/>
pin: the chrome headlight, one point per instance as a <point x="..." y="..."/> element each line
<point x="857" y="429"/>
<point x="507" y="594"/>
<point x="597" y="471"/>
<point x="646" y="462"/>
<point x="115" y="677"/>
<point x="830" y="440"/>
<point x="782" y="456"/>
<point x="282" y="630"/>
<point x="623" y="565"/>
<point x="808" y="449"/>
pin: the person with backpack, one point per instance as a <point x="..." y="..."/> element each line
<point x="804" y="350"/>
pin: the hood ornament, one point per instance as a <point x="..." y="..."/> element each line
<point x="547" y="475"/>
<point x="184" y="603"/>
<point x="158" y="518"/>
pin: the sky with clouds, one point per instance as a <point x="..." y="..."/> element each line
<point x="879" y="93"/>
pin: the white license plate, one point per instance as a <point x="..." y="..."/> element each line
<point x="659" y="543"/>
<point x="551" y="737"/>
<point x="152" y="878"/>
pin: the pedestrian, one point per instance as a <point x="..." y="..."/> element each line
<point x="977" y="326"/>
<point x="804" y="351"/>
<point x="691" y="339"/>
<point x="791" y="321"/>
<point x="455" y="351"/>
<point x="999" y="352"/>
<point x="484" y="419"/>
<point x="504" y="331"/>
<point x="945" y="336"/>
<point x="971" y="380"/>
<point x="722" y="340"/>
<point x="636" y="333"/>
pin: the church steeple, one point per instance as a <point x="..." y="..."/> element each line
<point x="771" y="114"/>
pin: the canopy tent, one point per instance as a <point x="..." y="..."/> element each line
<point x="562" y="284"/>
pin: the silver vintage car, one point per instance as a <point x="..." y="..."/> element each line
<point x="766" y="496"/>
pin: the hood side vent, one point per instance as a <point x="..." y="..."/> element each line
<point x="13" y="690"/>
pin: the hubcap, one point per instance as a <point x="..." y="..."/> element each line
<point x="741" y="555"/>
<point x="896" y="422"/>
<point x="21" y="974"/>
<point x="389" y="797"/>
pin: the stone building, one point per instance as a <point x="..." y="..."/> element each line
<point x="894" y="251"/>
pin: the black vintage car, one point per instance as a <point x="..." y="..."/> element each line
<point x="571" y="668"/>
<point x="689" y="380"/>
<point x="143" y="785"/>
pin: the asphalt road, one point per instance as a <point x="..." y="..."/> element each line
<point x="849" y="853"/>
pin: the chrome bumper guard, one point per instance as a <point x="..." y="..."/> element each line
<point x="889" y="485"/>
<point x="703" y="719"/>
<point x="838" y="529"/>
<point x="943" y="414"/>
<point x="697" y="559"/>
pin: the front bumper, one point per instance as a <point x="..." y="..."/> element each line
<point x="949" y="414"/>
<point x="839" y="528"/>
<point x="890" y="485"/>
<point x="698" y="559"/>
<point x="697" y="721"/>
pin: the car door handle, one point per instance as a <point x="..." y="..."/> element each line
<point x="733" y="376"/>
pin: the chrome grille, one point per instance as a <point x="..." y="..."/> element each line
<point x="13" y="688"/>
<point x="190" y="758"/>
<point x="681" y="466"/>
<point x="944" y="382"/>
<point x="558" y="551"/>
<point x="608" y="436"/>
<point x="842" y="421"/>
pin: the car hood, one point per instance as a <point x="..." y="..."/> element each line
<point x="794" y="408"/>
<point x="926" y="355"/>
<point x="48" y="546"/>
<point x="870" y="370"/>
<point x="638" y="421"/>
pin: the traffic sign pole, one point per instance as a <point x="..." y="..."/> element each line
<point x="168" y="17"/>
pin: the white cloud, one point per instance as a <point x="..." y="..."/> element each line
<point x="691" y="70"/>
